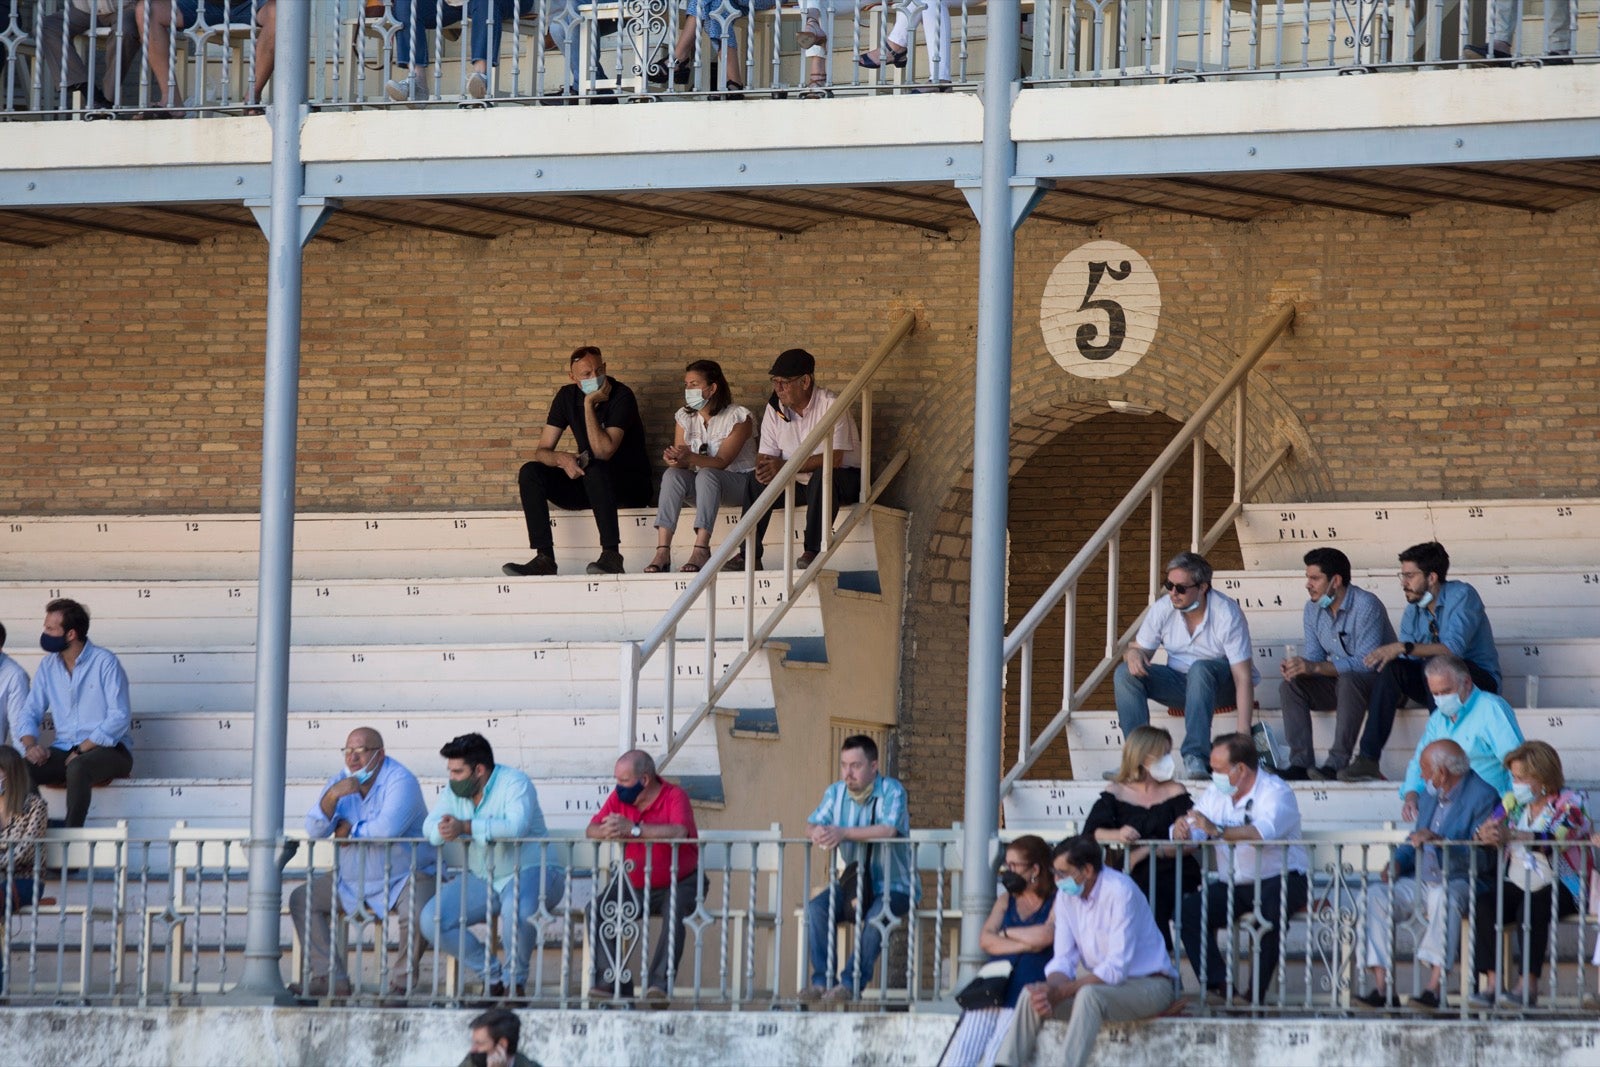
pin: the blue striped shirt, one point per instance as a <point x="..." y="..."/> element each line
<point x="1345" y="638"/>
<point x="1463" y="626"/>
<point x="13" y="693"/>
<point x="886" y="806"/>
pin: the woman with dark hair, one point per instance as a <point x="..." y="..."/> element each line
<point x="712" y="450"/>
<point x="1018" y="928"/>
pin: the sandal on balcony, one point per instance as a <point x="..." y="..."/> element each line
<point x="873" y="60"/>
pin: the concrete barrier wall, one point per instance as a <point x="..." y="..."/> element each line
<point x="131" y="1037"/>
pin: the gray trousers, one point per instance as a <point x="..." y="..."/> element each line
<point x="1347" y="695"/>
<point x="710" y="487"/>
<point x="1137" y="998"/>
<point x="124" y="38"/>
<point x="315" y="931"/>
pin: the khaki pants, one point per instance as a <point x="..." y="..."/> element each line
<point x="316" y="931"/>
<point x="1137" y="998"/>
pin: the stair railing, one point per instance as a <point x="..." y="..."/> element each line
<point x="1063" y="592"/>
<point x="702" y="589"/>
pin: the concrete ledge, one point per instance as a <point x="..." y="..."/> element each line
<point x="130" y="1036"/>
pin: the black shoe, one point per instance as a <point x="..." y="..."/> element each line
<point x="1375" y="998"/>
<point x="541" y="565"/>
<point x="1325" y="773"/>
<point x="1483" y="51"/>
<point x="1428" y="1000"/>
<point x="610" y="562"/>
<point x="1295" y="774"/>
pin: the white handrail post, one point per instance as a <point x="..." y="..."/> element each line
<point x="1155" y="540"/>
<point x="827" y="492"/>
<point x="1113" y="584"/>
<point x="1069" y="643"/>
<point x="628" y="720"/>
<point x="866" y="444"/>
<point x="711" y="635"/>
<point x="669" y="674"/>
<point x="750" y="548"/>
<point x="1239" y="410"/>
<point x="1025" y="702"/>
<point x="1198" y="501"/>
<point x="788" y="537"/>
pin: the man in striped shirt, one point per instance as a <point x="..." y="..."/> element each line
<point x="858" y="812"/>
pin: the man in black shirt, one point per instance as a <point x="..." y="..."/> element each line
<point x="608" y="469"/>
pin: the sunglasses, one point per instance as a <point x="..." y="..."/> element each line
<point x="1178" y="587"/>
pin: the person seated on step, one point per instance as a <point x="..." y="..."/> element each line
<point x="509" y="872"/>
<point x="719" y="23"/>
<point x="417" y="17"/>
<point x="1441" y="618"/>
<point x="1019" y="928"/>
<point x="660" y="879"/>
<point x="1243" y="805"/>
<point x="1209" y="660"/>
<point x="160" y="20"/>
<point x="1432" y="881"/>
<point x="1544" y="835"/>
<point x="796" y="407"/>
<point x="373" y="796"/>
<point x="861" y="808"/>
<point x="85" y="690"/>
<point x="1110" y="964"/>
<point x="13" y="689"/>
<point x="712" y="454"/>
<point x="935" y="42"/>
<point x="1341" y="625"/>
<point x="77" y="19"/>
<point x="608" y="468"/>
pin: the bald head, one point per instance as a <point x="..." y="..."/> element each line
<point x="362" y="748"/>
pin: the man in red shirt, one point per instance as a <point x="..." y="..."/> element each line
<point x="643" y="807"/>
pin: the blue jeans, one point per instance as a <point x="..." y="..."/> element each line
<point x="468" y="900"/>
<point x="411" y="42"/>
<point x="819" y="935"/>
<point x="1207" y="683"/>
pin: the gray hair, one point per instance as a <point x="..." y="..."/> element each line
<point x="1447" y="756"/>
<point x="1448" y="666"/>
<point x="640" y="762"/>
<point x="1194" y="563"/>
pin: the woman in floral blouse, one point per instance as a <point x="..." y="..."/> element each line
<point x="22" y="823"/>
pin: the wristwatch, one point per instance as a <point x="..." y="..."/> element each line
<point x="1409" y="646"/>
<point x="637" y="831"/>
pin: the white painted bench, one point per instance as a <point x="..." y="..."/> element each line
<point x="1482" y="534"/>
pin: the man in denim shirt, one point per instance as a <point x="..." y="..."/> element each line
<point x="494" y="810"/>
<point x="1441" y="618"/>
<point x="861" y="808"/>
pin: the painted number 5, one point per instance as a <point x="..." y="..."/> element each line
<point x="1117" y="326"/>
<point x="1100" y="310"/>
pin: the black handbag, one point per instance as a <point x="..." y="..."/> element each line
<point x="852" y="884"/>
<point x="988" y="989"/>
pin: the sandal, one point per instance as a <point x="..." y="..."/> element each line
<point x="873" y="60"/>
<point x="661" y="562"/>
<point x="816" y="88"/>
<point x="697" y="559"/>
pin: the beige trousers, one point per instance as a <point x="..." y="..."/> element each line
<point x="1137" y="998"/>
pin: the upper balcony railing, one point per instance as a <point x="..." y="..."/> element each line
<point x="164" y="59"/>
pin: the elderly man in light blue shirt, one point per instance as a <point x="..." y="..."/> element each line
<point x="1483" y="724"/>
<point x="495" y="812"/>
<point x="85" y="690"/>
<point x="373" y="798"/>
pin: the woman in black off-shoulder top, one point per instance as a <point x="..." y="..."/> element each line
<point x="1141" y="804"/>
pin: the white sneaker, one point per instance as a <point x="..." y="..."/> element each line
<point x="811" y="32"/>
<point x="477" y="85"/>
<point x="410" y="90"/>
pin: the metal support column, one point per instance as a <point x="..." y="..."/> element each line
<point x="1001" y="205"/>
<point x="287" y="231"/>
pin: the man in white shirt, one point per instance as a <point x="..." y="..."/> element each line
<point x="1110" y="962"/>
<point x="796" y="407"/>
<point x="1243" y="805"/>
<point x="1209" y="660"/>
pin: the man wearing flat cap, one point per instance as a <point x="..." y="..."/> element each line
<point x="797" y="405"/>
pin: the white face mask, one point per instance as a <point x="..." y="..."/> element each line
<point x="1163" y="769"/>
<point x="1220" y="783"/>
<point x="693" y="399"/>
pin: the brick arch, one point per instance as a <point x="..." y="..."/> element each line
<point x="1179" y="371"/>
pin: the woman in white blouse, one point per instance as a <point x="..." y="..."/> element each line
<point x="712" y="450"/>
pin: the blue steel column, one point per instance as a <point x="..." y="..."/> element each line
<point x="281" y="411"/>
<point x="991" y="439"/>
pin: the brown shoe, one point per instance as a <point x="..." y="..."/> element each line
<point x="1362" y="769"/>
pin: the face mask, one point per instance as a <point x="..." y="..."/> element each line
<point x="364" y="775"/>
<point x="629" y="793"/>
<point x="1220" y="783"/>
<point x="1325" y="601"/>
<point x="1163" y="769"/>
<point x="1192" y="607"/>
<point x="52" y="643"/>
<point x="479" y="1059"/>
<point x="589" y="385"/>
<point x="1427" y="598"/>
<point x="1523" y="792"/>
<point x="693" y="400"/>
<point x="464" y="787"/>
<point x="1448" y="705"/>
<point x="1069" y="887"/>
<point x="1013" y="882"/>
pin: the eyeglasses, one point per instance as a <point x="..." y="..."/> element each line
<point x="787" y="381"/>
<point x="1179" y="587"/>
<point x="358" y="750"/>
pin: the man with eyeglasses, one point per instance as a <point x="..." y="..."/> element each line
<point x="1342" y="624"/>
<point x="372" y="797"/>
<point x="1210" y="662"/>
<point x="1441" y="618"/>
<point x="797" y="406"/>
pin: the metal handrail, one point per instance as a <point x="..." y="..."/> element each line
<point x="635" y="654"/>
<point x="1064" y="589"/>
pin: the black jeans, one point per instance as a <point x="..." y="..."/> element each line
<point x="598" y="489"/>
<point x="1404" y="678"/>
<point x="1206" y="911"/>
<point x="618" y="923"/>
<point x="80" y="776"/>
<point x="1485" y="929"/>
<point x="846" y="487"/>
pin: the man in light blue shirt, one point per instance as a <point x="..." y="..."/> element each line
<point x="1481" y="723"/>
<point x="1441" y="618"/>
<point x="85" y="690"/>
<point x="373" y="797"/>
<point x="862" y="808"/>
<point x="13" y="687"/>
<point x="495" y="812"/>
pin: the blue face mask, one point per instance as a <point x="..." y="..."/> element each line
<point x="590" y="385"/>
<point x="1433" y="790"/>
<point x="693" y="399"/>
<point x="629" y="793"/>
<point x="1325" y="601"/>
<point x="1192" y="607"/>
<point x="1220" y="783"/>
<point x="1070" y="887"/>
<point x="53" y="643"/>
<point x="1448" y="705"/>
<point x="1523" y="792"/>
<point x="1427" y="598"/>
<point x="364" y="775"/>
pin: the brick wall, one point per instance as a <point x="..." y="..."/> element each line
<point x="1454" y="354"/>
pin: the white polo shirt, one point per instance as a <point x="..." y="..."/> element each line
<point x="782" y="433"/>
<point x="1222" y="634"/>
<point x="1271" y="808"/>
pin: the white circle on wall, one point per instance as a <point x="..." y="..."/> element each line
<point x="1100" y="310"/>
